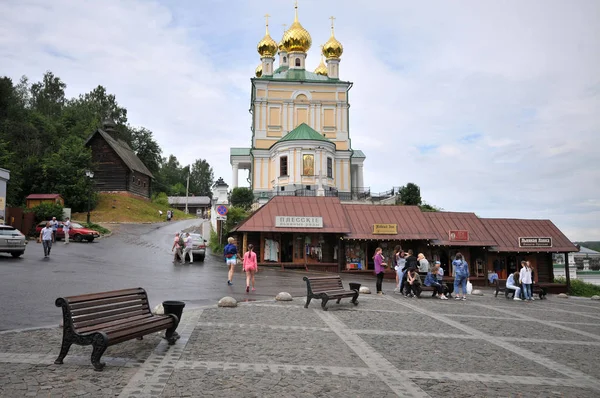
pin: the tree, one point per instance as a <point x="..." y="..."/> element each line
<point x="242" y="197"/>
<point x="426" y="207"/>
<point x="146" y="148"/>
<point x="201" y="178"/>
<point x="410" y="195"/>
<point x="235" y="215"/>
<point x="48" y="96"/>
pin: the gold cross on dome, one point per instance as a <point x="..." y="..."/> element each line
<point x="284" y="27"/>
<point x="267" y="18"/>
<point x="332" y="19"/>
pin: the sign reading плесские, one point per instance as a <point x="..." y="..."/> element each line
<point x="298" y="222"/>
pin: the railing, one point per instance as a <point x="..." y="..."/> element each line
<point x="356" y="194"/>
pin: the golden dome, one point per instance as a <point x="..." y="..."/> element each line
<point x="282" y="48"/>
<point x="332" y="49"/>
<point x="296" y="38"/>
<point x="258" y="70"/>
<point x="267" y="47"/>
<point x="321" y="69"/>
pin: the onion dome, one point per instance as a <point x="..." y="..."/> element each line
<point x="321" y="69"/>
<point x="258" y="70"/>
<point x="280" y="46"/>
<point x="267" y="47"/>
<point x="332" y="49"/>
<point x="296" y="38"/>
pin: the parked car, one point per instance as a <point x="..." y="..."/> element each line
<point x="12" y="241"/>
<point x="77" y="232"/>
<point x="198" y="247"/>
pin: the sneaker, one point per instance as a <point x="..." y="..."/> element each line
<point x="464" y="298"/>
<point x="457" y="298"/>
<point x="444" y="298"/>
<point x="253" y="289"/>
<point x="247" y="289"/>
<point x="229" y="283"/>
<point x="517" y="299"/>
<point x="380" y="293"/>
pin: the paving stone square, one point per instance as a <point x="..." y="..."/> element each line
<point x="218" y="383"/>
<point x="452" y="307"/>
<point x="258" y="315"/>
<point x="594" y="329"/>
<point x="394" y="322"/>
<point x="269" y="346"/>
<point x="519" y="328"/>
<point x="466" y="389"/>
<point x="546" y="314"/>
<point x="580" y="357"/>
<point x="464" y="356"/>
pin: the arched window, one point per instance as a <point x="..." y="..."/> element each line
<point x="284" y="60"/>
<point x="297" y="61"/>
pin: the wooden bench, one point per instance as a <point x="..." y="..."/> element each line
<point x="327" y="288"/>
<point x="447" y="287"/>
<point x="535" y="289"/>
<point x="108" y="318"/>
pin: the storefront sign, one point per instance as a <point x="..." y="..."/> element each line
<point x="385" y="229"/>
<point x="458" y="235"/>
<point x="298" y="222"/>
<point x="535" y="242"/>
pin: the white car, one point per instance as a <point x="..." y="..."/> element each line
<point x="12" y="241"/>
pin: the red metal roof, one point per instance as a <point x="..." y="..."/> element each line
<point x="43" y="196"/>
<point x="409" y="219"/>
<point x="506" y="233"/>
<point x="444" y="222"/>
<point x="330" y="208"/>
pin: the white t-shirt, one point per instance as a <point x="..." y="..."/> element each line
<point x="67" y="226"/>
<point x="47" y="233"/>
<point x="189" y="242"/>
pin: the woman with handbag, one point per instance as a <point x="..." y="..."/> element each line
<point x="230" y="253"/>
<point x="250" y="267"/>
<point x="380" y="266"/>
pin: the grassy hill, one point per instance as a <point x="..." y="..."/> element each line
<point x="121" y="208"/>
<point x="594" y="245"/>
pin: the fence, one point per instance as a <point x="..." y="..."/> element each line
<point x="24" y="222"/>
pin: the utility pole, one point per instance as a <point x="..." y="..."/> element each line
<point x="187" y="189"/>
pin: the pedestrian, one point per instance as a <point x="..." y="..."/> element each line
<point x="395" y="257"/>
<point x="461" y="275"/>
<point x="230" y="253"/>
<point x="177" y="247"/>
<point x="250" y="267"/>
<point x="400" y="263"/>
<point x="525" y="280"/>
<point x="532" y="278"/>
<point x="54" y="225"/>
<point x="511" y="284"/>
<point x="168" y="215"/>
<point x="46" y="238"/>
<point x="413" y="283"/>
<point x="379" y="268"/>
<point x="189" y="244"/>
<point x="432" y="280"/>
<point x="409" y="263"/>
<point x="423" y="263"/>
<point x="66" y="229"/>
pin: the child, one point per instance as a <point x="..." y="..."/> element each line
<point x="412" y="283"/>
<point x="525" y="280"/>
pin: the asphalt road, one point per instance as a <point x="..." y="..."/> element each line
<point x="136" y="255"/>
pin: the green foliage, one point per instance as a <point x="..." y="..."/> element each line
<point x="426" y="207"/>
<point x="160" y="198"/>
<point x="201" y="178"/>
<point x="146" y="148"/>
<point x="235" y="215"/>
<point x="242" y="197"/>
<point x="45" y="211"/>
<point x="580" y="288"/>
<point x="213" y="243"/>
<point x="594" y="245"/>
<point x="97" y="227"/>
<point x="410" y="195"/>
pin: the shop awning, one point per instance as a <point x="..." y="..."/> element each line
<point x="298" y="214"/>
<point x="458" y="229"/>
<point x="518" y="235"/>
<point x="379" y="222"/>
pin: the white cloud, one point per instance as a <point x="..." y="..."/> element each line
<point x="522" y="77"/>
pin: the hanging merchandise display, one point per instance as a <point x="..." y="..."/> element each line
<point x="271" y="250"/>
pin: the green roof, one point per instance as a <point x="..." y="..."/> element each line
<point x="357" y="153"/>
<point x="281" y="69"/>
<point x="239" y="151"/>
<point x="283" y="73"/>
<point x="303" y="132"/>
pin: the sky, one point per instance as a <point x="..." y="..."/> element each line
<point x="490" y="107"/>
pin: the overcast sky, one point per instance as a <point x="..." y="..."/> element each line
<point x="490" y="107"/>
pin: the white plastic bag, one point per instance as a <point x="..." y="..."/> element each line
<point x="469" y="287"/>
<point x="159" y="310"/>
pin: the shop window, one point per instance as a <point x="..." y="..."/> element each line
<point x="329" y="168"/>
<point x="283" y="166"/>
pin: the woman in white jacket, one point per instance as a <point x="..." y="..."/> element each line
<point x="525" y="280"/>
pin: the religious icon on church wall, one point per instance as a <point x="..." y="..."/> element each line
<point x="308" y="165"/>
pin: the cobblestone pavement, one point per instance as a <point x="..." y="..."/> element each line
<point x="386" y="346"/>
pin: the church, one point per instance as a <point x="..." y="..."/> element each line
<point x="301" y="144"/>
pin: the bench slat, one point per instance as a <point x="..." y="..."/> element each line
<point x="104" y="314"/>
<point x="103" y="295"/>
<point x="161" y="323"/>
<point x="113" y="330"/>
<point x="99" y="309"/>
<point x="78" y="324"/>
<point x="99" y="302"/>
<point x="157" y="328"/>
<point x="100" y="326"/>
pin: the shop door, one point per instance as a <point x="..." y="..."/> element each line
<point x="287" y="248"/>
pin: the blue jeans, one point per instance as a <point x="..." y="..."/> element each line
<point x="462" y="281"/>
<point x="527" y="291"/>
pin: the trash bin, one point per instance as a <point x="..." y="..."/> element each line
<point x="354" y="286"/>
<point x="175" y="308"/>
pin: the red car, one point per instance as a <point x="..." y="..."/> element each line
<point x="77" y="232"/>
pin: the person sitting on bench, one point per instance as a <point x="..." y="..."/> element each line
<point x="432" y="281"/>
<point x="512" y="283"/>
<point x="413" y="282"/>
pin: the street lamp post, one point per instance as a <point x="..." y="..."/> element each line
<point x="89" y="174"/>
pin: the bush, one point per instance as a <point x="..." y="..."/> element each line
<point x="45" y="212"/>
<point x="161" y="199"/>
<point x="96" y="227"/>
<point x="580" y="288"/>
<point x="213" y="243"/>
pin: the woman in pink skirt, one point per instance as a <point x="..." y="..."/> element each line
<point x="250" y="266"/>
